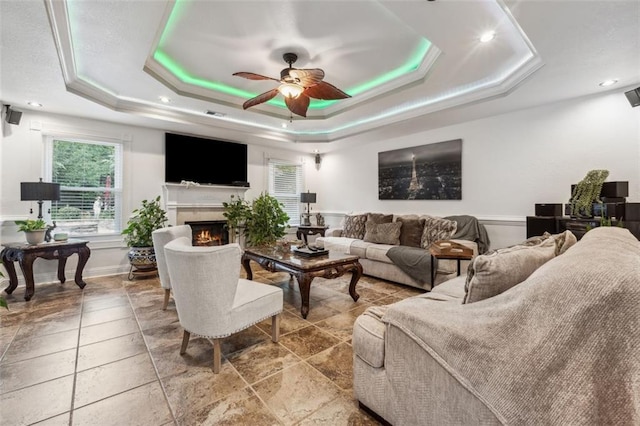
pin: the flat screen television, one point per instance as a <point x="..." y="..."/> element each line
<point x="205" y="161"/>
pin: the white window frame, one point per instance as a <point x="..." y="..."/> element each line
<point x="293" y="198"/>
<point x="117" y="185"/>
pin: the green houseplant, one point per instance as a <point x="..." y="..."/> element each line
<point x="143" y="221"/>
<point x="587" y="192"/>
<point x="236" y="212"/>
<point x="264" y="221"/>
<point x="34" y="229"/>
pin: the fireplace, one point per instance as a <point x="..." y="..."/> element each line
<point x="209" y="233"/>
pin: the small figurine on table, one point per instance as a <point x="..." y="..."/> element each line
<point x="319" y="219"/>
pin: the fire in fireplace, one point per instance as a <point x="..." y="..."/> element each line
<point x="209" y="233"/>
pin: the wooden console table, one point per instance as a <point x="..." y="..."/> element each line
<point x="26" y="254"/>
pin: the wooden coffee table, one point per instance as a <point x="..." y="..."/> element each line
<point x="305" y="269"/>
<point x="448" y="250"/>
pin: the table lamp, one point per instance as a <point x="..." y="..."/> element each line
<point x="307" y="197"/>
<point x="39" y="191"/>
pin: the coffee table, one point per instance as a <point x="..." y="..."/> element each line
<point x="448" y="250"/>
<point x="305" y="269"/>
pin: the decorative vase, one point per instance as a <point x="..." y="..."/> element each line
<point x="142" y="258"/>
<point x="35" y="237"/>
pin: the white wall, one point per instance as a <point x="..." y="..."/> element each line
<point x="509" y="163"/>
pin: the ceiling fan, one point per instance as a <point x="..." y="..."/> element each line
<point x="297" y="86"/>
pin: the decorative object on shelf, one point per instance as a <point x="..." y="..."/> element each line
<point x="319" y="220"/>
<point x="34" y="230"/>
<point x="262" y="222"/>
<point x="309" y="198"/>
<point x="60" y="236"/>
<point x="40" y="192"/>
<point x="143" y="221"/>
<point x="587" y="192"/>
<point x="425" y="172"/>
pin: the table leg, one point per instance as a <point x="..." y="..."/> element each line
<point x="62" y="263"/>
<point x="26" y="264"/>
<point x="83" y="256"/>
<point x="458" y="267"/>
<point x="355" y="276"/>
<point x="304" y="283"/>
<point x="433" y="271"/>
<point x="247" y="267"/>
<point x="11" y="270"/>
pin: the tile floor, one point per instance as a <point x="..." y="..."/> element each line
<point x="109" y="355"/>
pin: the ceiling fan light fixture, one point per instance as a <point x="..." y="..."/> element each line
<point x="290" y="90"/>
<point x="487" y="37"/>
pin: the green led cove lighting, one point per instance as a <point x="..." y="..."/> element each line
<point x="183" y="75"/>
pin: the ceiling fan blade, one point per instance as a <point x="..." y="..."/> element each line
<point x="266" y="96"/>
<point x="253" y="76"/>
<point x="326" y="91"/>
<point x="298" y="105"/>
<point x="306" y="77"/>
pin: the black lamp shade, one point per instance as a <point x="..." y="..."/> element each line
<point x="38" y="191"/>
<point x="308" y="197"/>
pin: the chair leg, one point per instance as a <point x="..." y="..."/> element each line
<point x="167" y="293"/>
<point x="185" y="342"/>
<point x="275" y="328"/>
<point x="216" y="356"/>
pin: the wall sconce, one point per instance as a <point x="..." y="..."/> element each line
<point x="39" y="191"/>
<point x="318" y="159"/>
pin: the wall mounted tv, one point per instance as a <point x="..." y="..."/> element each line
<point x="205" y="161"/>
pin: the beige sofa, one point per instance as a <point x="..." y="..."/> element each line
<point x="561" y="347"/>
<point x="376" y="263"/>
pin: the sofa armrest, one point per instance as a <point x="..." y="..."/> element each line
<point x="333" y="232"/>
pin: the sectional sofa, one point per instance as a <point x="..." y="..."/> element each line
<point x="546" y="332"/>
<point x="395" y="247"/>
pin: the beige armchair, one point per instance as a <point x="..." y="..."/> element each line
<point x="160" y="238"/>
<point x="211" y="299"/>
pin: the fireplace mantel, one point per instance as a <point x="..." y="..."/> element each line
<point x="197" y="198"/>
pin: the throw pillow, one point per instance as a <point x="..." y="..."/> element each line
<point x="411" y="231"/>
<point x="493" y="273"/>
<point x="379" y="218"/>
<point x="383" y="233"/>
<point x="436" y="228"/>
<point x="354" y="226"/>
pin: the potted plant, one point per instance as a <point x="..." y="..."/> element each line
<point x="236" y="212"/>
<point x="34" y="230"/>
<point x="141" y="224"/>
<point x="262" y="222"/>
<point x="266" y="221"/>
<point x="587" y="192"/>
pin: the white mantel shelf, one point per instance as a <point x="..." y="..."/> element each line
<point x="182" y="196"/>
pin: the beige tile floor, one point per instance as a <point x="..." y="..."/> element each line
<point x="109" y="355"/>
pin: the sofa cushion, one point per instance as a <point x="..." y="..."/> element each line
<point x="411" y="231"/>
<point x="359" y="248"/>
<point x="435" y="229"/>
<point x="379" y="218"/>
<point x="379" y="252"/>
<point x="382" y="233"/>
<point x="354" y="226"/>
<point x="493" y="273"/>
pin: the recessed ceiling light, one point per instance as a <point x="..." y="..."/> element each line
<point x="284" y="125"/>
<point x="488" y="36"/>
<point x="608" y="83"/>
<point x="35" y="104"/>
<point x="164" y="99"/>
<point x="316" y="151"/>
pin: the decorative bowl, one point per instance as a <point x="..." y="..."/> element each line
<point x="61" y="236"/>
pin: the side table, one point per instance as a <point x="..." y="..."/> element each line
<point x="303" y="231"/>
<point x="25" y="254"/>
<point x="448" y="250"/>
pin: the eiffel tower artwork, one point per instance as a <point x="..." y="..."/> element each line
<point x="414" y="186"/>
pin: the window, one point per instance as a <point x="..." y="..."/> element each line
<point x="90" y="178"/>
<point x="285" y="184"/>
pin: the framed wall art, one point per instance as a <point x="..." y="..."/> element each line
<point x="425" y="172"/>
